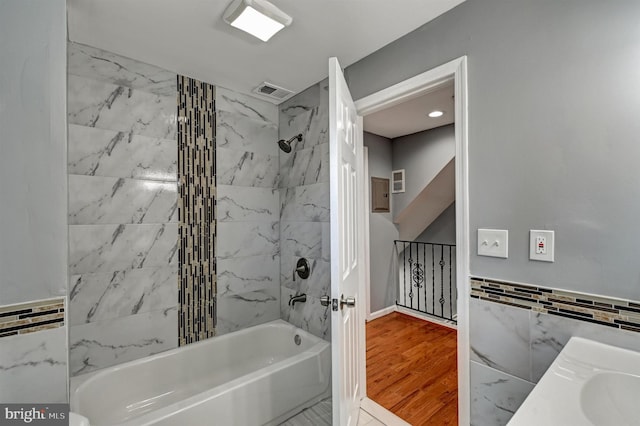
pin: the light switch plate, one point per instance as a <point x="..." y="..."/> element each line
<point x="546" y="253"/>
<point x="493" y="242"/>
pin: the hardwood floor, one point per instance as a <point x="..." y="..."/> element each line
<point x="412" y="369"/>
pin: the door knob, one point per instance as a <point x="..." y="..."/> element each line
<point x="349" y="301"/>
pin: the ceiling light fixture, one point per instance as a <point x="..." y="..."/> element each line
<point x="436" y="114"/>
<point x="259" y="18"/>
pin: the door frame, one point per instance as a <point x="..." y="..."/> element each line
<point x="366" y="236"/>
<point x="402" y="92"/>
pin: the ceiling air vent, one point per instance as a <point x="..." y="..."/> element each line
<point x="275" y="94"/>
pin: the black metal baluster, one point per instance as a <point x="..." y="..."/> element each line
<point x="413" y="278"/>
<point x="450" y="286"/>
<point x="396" y="271"/>
<point x="441" y="280"/>
<point x="404" y="271"/>
<point x="419" y="273"/>
<point x="397" y="255"/>
<point x="433" y="280"/>
<point x="410" y="277"/>
<point x="424" y="265"/>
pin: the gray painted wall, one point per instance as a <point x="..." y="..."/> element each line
<point x="33" y="184"/>
<point x="422" y="155"/>
<point x="33" y="156"/>
<point x="552" y="145"/>
<point x="415" y="153"/>
<point x="443" y="229"/>
<point x="552" y="130"/>
<point x="382" y="231"/>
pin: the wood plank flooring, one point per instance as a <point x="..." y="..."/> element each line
<point x="412" y="369"/>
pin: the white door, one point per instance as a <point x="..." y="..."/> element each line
<point x="345" y="133"/>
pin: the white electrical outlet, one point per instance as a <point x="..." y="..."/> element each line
<point x="541" y="245"/>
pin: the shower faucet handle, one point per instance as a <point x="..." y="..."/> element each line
<point x="302" y="269"/>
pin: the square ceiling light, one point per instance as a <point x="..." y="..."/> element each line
<point x="259" y="18"/>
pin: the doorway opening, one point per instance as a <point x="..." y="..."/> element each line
<point x="417" y="273"/>
<point x="411" y="357"/>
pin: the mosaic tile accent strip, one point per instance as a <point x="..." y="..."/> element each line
<point x="196" y="210"/>
<point x="615" y="313"/>
<point x="30" y="317"/>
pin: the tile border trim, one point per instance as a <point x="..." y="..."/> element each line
<point x="601" y="310"/>
<point x="29" y="317"/>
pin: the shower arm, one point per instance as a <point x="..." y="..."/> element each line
<point x="298" y="136"/>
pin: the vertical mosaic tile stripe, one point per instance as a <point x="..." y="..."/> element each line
<point x="196" y="210"/>
<point x="610" y="312"/>
<point x="30" y="317"/>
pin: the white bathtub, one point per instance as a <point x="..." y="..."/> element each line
<point x="256" y="376"/>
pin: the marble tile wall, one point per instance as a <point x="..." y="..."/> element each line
<point x="34" y="367"/>
<point x="33" y="352"/>
<point x="512" y="347"/>
<point x="304" y="208"/>
<point x="495" y="396"/>
<point x="123" y="231"/>
<point x="248" y="238"/>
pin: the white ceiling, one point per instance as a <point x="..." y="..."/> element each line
<point x="189" y="36"/>
<point x="412" y="116"/>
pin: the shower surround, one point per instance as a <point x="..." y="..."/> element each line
<point x="248" y="246"/>
<point x="123" y="229"/>
<point x="138" y="286"/>
<point x="304" y="208"/>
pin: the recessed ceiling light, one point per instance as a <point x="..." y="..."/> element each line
<point x="435" y="114"/>
<point x="259" y="18"/>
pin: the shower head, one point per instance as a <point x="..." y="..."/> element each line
<point x="286" y="145"/>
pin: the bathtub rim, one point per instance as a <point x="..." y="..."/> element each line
<point x="190" y="402"/>
<point x="78" y="383"/>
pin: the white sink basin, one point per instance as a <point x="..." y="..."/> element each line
<point x="611" y="399"/>
<point x="590" y="384"/>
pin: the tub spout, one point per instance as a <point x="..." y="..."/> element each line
<point x="298" y="298"/>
